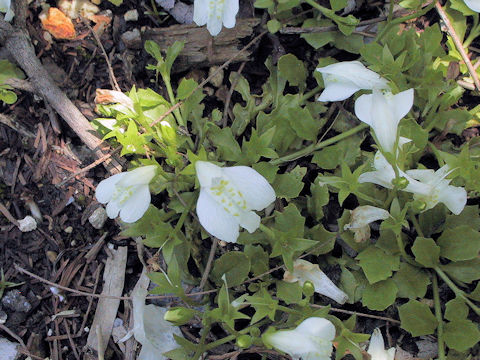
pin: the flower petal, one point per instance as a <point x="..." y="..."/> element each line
<point x="376" y="177"/>
<point x="401" y="103"/>
<point x="376" y="348"/>
<point x="230" y="11"/>
<point x="423" y="175"/>
<point x="249" y="220"/>
<point x="363" y="109"/>
<point x="255" y="189"/>
<point x="454" y="198"/>
<point x="200" y="12"/>
<point x="364" y="215"/>
<point x="215" y="219"/>
<point x="384" y="121"/>
<point x="136" y="205"/>
<point x="337" y="90"/>
<point x="206" y="172"/>
<point x="139" y="176"/>
<point x="106" y="187"/>
<point x="473" y="4"/>
<point x="356" y="73"/>
<point x="113" y="208"/>
<point x="317" y="327"/>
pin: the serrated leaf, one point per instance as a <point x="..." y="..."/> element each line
<point x="227" y="147"/>
<point x="264" y="305"/>
<point x="235" y="265"/>
<point x="380" y="295"/>
<point x="426" y="251"/>
<point x="376" y="264"/>
<point x="417" y="318"/>
<point x="290" y="185"/>
<point x="456" y="309"/>
<point x="460" y="243"/>
<point x="461" y="334"/>
<point x="411" y="281"/>
<point x="293" y="70"/>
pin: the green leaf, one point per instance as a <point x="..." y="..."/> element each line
<point x="9" y="70"/>
<point x="264" y="305"/>
<point x="380" y="295"/>
<point x="227" y="147"/>
<point x="258" y="258"/>
<point x="274" y="25"/>
<point x="432" y="221"/>
<point x="376" y="264"/>
<point x="235" y="265"/>
<point x="325" y="239"/>
<point x="172" y="53"/>
<point x="226" y="312"/>
<point x="456" y="309"/>
<point x="320" y="197"/>
<point x="153" y="49"/>
<point x="337" y="5"/>
<point x="290" y="185"/>
<point x="290" y="219"/>
<point x="185" y="88"/>
<point x="7" y="96"/>
<point x="116" y="2"/>
<point x="291" y="293"/>
<point x="304" y="125"/>
<point x="426" y="251"/>
<point x="293" y="70"/>
<point x="412" y="282"/>
<point x="460" y="243"/>
<point x="258" y="146"/>
<point x="331" y="157"/>
<point x="465" y="271"/>
<point x="289" y="247"/>
<point x="417" y="318"/>
<point x="267" y="170"/>
<point x="469" y="216"/>
<point x="461" y="334"/>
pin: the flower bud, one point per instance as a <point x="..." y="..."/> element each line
<point x="179" y="315"/>
<point x="255" y="331"/>
<point x="308" y="288"/>
<point x="400" y="183"/>
<point x="419" y="205"/>
<point x="244" y="341"/>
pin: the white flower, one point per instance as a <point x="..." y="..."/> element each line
<point x="432" y="188"/>
<point x="473" y="4"/>
<point x="306" y="271"/>
<point x="383" y="112"/>
<point x="127" y="193"/>
<point x="214" y="13"/>
<point x="311" y="340"/>
<point x="227" y="196"/>
<point x="5" y="7"/>
<point x="376" y="349"/>
<point x="345" y="78"/>
<point x="360" y="219"/>
<point x="427" y="185"/>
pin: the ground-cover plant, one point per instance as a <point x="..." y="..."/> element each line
<point x="391" y="152"/>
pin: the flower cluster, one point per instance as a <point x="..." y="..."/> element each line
<point x="382" y="111"/>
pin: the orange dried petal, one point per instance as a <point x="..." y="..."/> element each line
<point x="57" y="24"/>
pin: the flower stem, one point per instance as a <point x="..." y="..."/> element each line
<point x="321" y="144"/>
<point x="459" y="293"/>
<point x="438" y="315"/>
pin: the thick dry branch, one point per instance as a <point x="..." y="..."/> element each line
<point x="18" y="44"/>
<point x="201" y="49"/>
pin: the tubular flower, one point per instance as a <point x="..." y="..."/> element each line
<point x="345" y="78"/>
<point x="311" y="340"/>
<point x="6" y="7"/>
<point x="306" y="271"/>
<point x="360" y="219"/>
<point x="214" y="13"/>
<point x="432" y="188"/>
<point x="473" y="4"/>
<point x="376" y="349"/>
<point x="383" y="112"/>
<point x="227" y="197"/>
<point x="127" y="193"/>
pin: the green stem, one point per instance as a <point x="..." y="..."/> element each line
<point x="368" y="198"/>
<point x="201" y="347"/>
<point x="267" y="231"/>
<point x="309" y="94"/>
<point x="438" y="315"/>
<point x="219" y="342"/>
<point x="399" y="20"/>
<point x="390" y="11"/>
<point x="459" y="293"/>
<point x="416" y="225"/>
<point x="321" y="144"/>
<point x="173" y="101"/>
<point x="401" y="247"/>
<point x="288" y="310"/>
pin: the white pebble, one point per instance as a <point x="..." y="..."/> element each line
<point x="27" y="224"/>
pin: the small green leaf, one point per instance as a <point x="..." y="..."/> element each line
<point x="376" y="264"/>
<point x="412" y="282"/>
<point x="274" y="25"/>
<point x="461" y="334"/>
<point x="465" y="271"/>
<point x="460" y="243"/>
<point x="456" y="309"/>
<point x="264" y="305"/>
<point x="235" y="265"/>
<point x="417" y="318"/>
<point x="380" y="295"/>
<point x="292" y="69"/>
<point x="291" y="293"/>
<point x="258" y="258"/>
<point x="316" y="202"/>
<point x="426" y="251"/>
<point x="7" y="96"/>
<point x="290" y="184"/>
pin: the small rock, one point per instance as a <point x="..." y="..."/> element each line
<point x="3" y="317"/>
<point x="68" y="229"/>
<point x="131" y="15"/>
<point x="8" y="349"/>
<point x="14" y="300"/>
<point x="27" y="224"/>
<point x="98" y="218"/>
<point x="216" y="80"/>
<point x="132" y="39"/>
